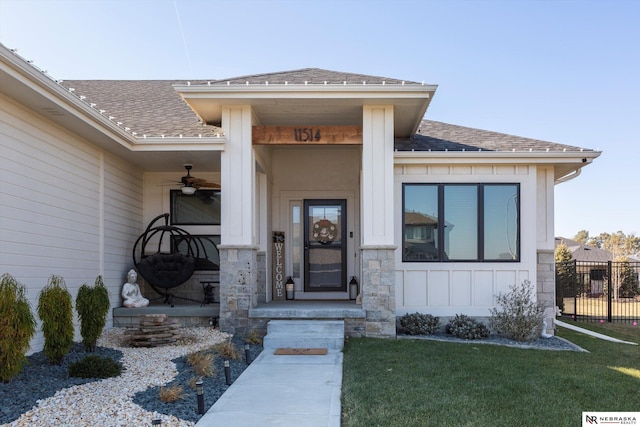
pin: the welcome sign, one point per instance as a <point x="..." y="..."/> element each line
<point x="278" y="266"/>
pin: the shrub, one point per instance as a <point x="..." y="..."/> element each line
<point x="467" y="328"/>
<point x="520" y="316"/>
<point x="55" y="309"/>
<point x="92" y="305"/>
<point x="253" y="337"/>
<point x="227" y="350"/>
<point x="171" y="393"/>
<point x="94" y="366"/>
<point x="419" y="324"/>
<point x="17" y="326"/>
<point x="202" y="363"/>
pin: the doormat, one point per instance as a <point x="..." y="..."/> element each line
<point x="300" y="351"/>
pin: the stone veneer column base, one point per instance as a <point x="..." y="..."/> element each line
<point x="238" y="288"/>
<point x="378" y="291"/>
<point x="546" y="286"/>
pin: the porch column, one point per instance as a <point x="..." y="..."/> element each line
<point x="377" y="214"/>
<point x="237" y="248"/>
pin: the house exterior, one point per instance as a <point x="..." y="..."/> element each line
<point x="340" y="168"/>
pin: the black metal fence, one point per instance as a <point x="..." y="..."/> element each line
<point x="599" y="291"/>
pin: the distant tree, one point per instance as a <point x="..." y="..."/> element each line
<point x="625" y="279"/>
<point x="565" y="274"/>
<point x="619" y="244"/>
<point x="582" y="237"/>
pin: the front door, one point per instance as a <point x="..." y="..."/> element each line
<point x="325" y="245"/>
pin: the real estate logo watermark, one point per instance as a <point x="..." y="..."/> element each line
<point x="590" y="419"/>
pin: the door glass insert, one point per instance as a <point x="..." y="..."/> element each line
<point x="296" y="238"/>
<point x="325" y="245"/>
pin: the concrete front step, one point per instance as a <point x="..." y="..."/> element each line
<point x="305" y="334"/>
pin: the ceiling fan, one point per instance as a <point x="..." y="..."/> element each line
<point x="190" y="183"/>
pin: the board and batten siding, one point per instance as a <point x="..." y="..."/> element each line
<point x="66" y="208"/>
<point x="449" y="288"/>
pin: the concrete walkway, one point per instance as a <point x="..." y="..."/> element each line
<point x="300" y="391"/>
<point x="593" y="334"/>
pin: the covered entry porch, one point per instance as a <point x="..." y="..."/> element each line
<point x="298" y="139"/>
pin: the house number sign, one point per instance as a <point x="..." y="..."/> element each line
<point x="306" y="135"/>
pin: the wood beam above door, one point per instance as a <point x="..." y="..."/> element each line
<point x="310" y="135"/>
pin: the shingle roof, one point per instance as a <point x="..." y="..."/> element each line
<point x="148" y="107"/>
<point x="311" y="76"/>
<point x="438" y="136"/>
<point x="417" y="218"/>
<point x="154" y="108"/>
<point x="581" y="252"/>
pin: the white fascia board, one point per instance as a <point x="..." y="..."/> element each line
<point x="44" y="86"/>
<point x="293" y="91"/>
<point x="504" y="157"/>
<point x="179" y="144"/>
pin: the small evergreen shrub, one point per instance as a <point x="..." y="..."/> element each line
<point x="419" y="323"/>
<point x="55" y="309"/>
<point x="519" y="316"/>
<point x="94" y="366"/>
<point x="467" y="328"/>
<point x="17" y="326"/>
<point x="92" y="305"/>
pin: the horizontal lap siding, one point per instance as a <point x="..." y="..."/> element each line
<point x="448" y="288"/>
<point x="122" y="222"/>
<point x="50" y="207"/>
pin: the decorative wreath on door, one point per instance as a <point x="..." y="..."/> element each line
<point x="324" y="231"/>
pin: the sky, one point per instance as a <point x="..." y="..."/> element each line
<point x="557" y="70"/>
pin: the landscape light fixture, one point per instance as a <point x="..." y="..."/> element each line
<point x="247" y="354"/>
<point x="227" y="372"/>
<point x="200" y="395"/>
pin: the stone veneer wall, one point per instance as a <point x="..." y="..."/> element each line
<point x="378" y="291"/>
<point x="546" y="286"/>
<point x="261" y="279"/>
<point x="238" y="289"/>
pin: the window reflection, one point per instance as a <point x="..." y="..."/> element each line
<point x="461" y="222"/>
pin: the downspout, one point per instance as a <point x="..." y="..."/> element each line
<point x="568" y="177"/>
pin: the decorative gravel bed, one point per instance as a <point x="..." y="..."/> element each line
<point x="39" y="380"/>
<point x="44" y="395"/>
<point x="187" y="407"/>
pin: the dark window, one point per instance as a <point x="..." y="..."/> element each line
<point x="598" y="274"/>
<point x="201" y="208"/>
<point x="461" y="222"/>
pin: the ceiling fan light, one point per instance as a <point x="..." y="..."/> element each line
<point x="188" y="190"/>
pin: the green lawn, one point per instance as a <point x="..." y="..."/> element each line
<point x="426" y="383"/>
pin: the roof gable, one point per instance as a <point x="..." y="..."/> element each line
<point x="311" y="76"/>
